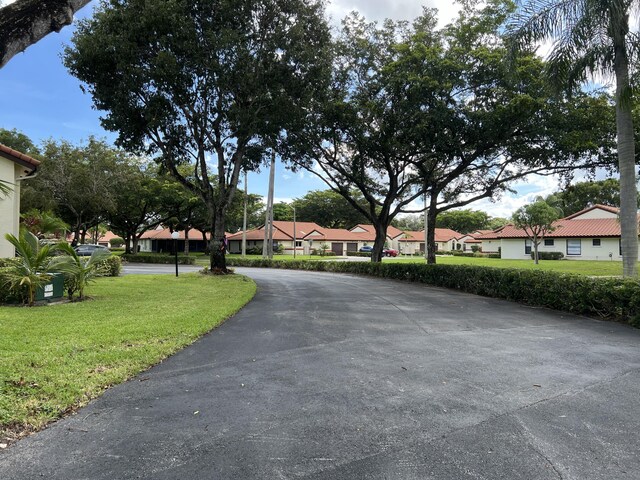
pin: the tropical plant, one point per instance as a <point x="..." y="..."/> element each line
<point x="32" y="268"/>
<point x="592" y="37"/>
<point x="5" y="188"/>
<point x="78" y="271"/>
<point x="43" y="223"/>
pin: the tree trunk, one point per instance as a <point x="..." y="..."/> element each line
<point x="627" y="166"/>
<point x="25" y="22"/>
<point x="218" y="250"/>
<point x="535" y="250"/>
<point x="430" y="236"/>
<point x="127" y="241"/>
<point x="186" y="241"/>
<point x="136" y="238"/>
<point x="207" y="250"/>
<point x="378" y="244"/>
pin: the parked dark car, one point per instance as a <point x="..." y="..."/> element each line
<point x="88" y="249"/>
<point x="366" y="249"/>
<point x="390" y="252"/>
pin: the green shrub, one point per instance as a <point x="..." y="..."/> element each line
<point x="116" y="242"/>
<point x="158" y="258"/>
<point x="6" y="294"/>
<point x="111" y="267"/>
<point x="548" y="255"/>
<point x="606" y="298"/>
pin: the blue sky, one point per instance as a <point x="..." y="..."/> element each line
<point x="39" y="98"/>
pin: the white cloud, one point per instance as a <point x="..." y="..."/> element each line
<point x="395" y="9"/>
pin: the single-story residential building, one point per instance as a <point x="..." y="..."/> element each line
<point x="339" y="240"/>
<point x="413" y="242"/>
<point x="591" y="234"/>
<point x="469" y="240"/>
<point x="14" y="167"/>
<point x="393" y="234"/>
<point x="283" y="234"/>
<point x="160" y="241"/>
<point x="310" y="236"/>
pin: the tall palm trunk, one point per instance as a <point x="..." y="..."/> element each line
<point x="626" y="164"/>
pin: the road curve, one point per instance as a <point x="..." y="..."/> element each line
<point x="326" y="376"/>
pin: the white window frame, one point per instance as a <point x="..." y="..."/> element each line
<point x="593" y="242"/>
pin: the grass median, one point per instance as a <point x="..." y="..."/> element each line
<point x="56" y="358"/>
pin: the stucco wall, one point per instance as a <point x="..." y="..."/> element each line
<point x="514" y="249"/>
<point x="9" y="206"/>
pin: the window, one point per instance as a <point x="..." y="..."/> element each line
<point x="548" y="242"/>
<point x="574" y="246"/>
<point x="298" y="243"/>
<point x="527" y="247"/>
<point x="596" y="242"/>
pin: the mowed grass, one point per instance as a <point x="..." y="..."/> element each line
<point x="581" y="267"/>
<point x="56" y="358"/>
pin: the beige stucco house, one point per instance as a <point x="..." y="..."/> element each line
<point x="14" y="168"/>
<point x="413" y="242"/>
<point x="591" y="234"/>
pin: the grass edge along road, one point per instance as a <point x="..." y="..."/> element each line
<point x="54" y="359"/>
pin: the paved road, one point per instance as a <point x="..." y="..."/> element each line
<point x="329" y="376"/>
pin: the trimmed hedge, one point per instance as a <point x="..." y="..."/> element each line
<point x="158" y="258"/>
<point x="606" y="298"/>
<point x="548" y="255"/>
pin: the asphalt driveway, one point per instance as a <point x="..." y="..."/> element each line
<point x="329" y="376"/>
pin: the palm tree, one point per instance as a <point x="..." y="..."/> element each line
<point x="592" y="37"/>
<point x="32" y="267"/>
<point x="78" y="271"/>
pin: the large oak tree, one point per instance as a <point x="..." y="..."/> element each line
<point x="208" y="85"/>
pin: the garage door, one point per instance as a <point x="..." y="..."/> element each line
<point x="352" y="247"/>
<point x="337" y="248"/>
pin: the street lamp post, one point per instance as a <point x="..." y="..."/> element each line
<point x="175" y="236"/>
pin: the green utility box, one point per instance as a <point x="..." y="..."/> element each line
<point x="54" y="290"/>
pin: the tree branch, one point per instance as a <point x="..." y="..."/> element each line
<point x="25" y="22"/>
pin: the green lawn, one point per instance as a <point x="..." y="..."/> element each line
<point x="58" y="357"/>
<point x="582" y="267"/>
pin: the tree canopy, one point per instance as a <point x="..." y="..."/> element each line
<point x="202" y="83"/>
<point x="415" y="109"/>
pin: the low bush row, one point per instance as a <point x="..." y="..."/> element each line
<point x="158" y="258"/>
<point x="548" y="255"/>
<point x="606" y="298"/>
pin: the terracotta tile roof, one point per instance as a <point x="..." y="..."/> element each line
<point x="18" y="157"/>
<point x="598" y="206"/>
<point x="594" y="227"/>
<point x="341" y="235"/>
<point x="392" y="232"/>
<point x="442" y="235"/>
<point x="282" y="231"/>
<point x="473" y="240"/>
<point x="165" y="234"/>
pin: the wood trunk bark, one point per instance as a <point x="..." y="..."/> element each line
<point x="25" y="22"/>
<point x="627" y="166"/>
<point x="430" y="236"/>
<point x="218" y="261"/>
<point x="186" y="241"/>
<point x="378" y="244"/>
